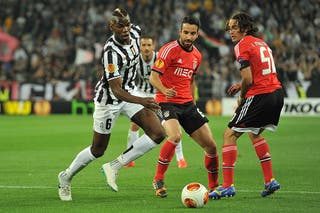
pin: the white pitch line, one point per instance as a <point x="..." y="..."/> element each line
<point x="174" y="189"/>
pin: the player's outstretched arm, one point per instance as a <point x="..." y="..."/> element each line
<point x="123" y="95"/>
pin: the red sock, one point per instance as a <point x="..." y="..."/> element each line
<point x="263" y="153"/>
<point x="211" y="162"/>
<point x="165" y="156"/>
<point x="229" y="156"/>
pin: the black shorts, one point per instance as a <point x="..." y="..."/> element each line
<point x="188" y="115"/>
<point x="258" y="112"/>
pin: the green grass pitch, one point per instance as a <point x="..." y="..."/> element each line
<point x="34" y="149"/>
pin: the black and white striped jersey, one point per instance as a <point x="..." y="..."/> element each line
<point x="119" y="61"/>
<point x="143" y="74"/>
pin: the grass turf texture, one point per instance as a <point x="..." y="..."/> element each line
<point x="34" y="149"/>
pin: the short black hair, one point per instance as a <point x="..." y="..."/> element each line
<point x="146" y="37"/>
<point x="146" y="34"/>
<point x="245" y="22"/>
<point x="191" y="20"/>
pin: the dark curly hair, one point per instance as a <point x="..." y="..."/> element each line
<point x="245" y="22"/>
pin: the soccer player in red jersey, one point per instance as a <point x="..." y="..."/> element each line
<point x="147" y="57"/>
<point x="259" y="104"/>
<point x="173" y="75"/>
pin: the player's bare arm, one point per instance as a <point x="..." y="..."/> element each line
<point x="156" y="82"/>
<point x="245" y="82"/>
<point x="121" y="94"/>
<point x="193" y="87"/>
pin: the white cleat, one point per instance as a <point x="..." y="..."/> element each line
<point x="64" y="186"/>
<point x="111" y="176"/>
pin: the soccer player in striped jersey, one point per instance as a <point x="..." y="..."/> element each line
<point x="145" y="89"/>
<point x="259" y="104"/>
<point x="114" y="96"/>
<point x="173" y="75"/>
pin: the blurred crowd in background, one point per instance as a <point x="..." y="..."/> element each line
<point x="61" y="41"/>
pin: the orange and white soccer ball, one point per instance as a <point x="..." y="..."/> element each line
<point x="194" y="195"/>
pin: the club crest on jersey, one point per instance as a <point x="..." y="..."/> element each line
<point x="195" y="63"/>
<point x="133" y="50"/>
<point x="166" y="114"/>
<point x="159" y="63"/>
<point x="111" y="68"/>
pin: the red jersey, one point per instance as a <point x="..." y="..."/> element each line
<point x="177" y="67"/>
<point x="262" y="66"/>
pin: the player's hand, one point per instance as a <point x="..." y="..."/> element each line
<point x="150" y="103"/>
<point x="234" y="89"/>
<point x="240" y="101"/>
<point x="170" y="93"/>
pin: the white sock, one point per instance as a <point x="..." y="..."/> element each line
<point x="117" y="163"/>
<point x="132" y="137"/>
<point x="178" y="151"/>
<point x="81" y="160"/>
<point x="142" y="145"/>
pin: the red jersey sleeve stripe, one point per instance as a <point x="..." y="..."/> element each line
<point x="167" y="49"/>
